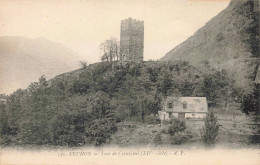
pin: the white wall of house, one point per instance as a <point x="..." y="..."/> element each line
<point x="167" y="115"/>
<point x="195" y="115"/>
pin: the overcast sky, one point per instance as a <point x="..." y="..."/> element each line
<point x="83" y="24"/>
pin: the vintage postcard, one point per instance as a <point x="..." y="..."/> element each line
<point x="111" y="82"/>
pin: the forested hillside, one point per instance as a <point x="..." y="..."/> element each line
<point x="83" y="106"/>
<point x="230" y="40"/>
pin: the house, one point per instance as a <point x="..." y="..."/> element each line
<point x="183" y="107"/>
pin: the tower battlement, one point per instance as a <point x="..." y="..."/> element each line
<point x="132" y="23"/>
<point x="131" y="40"/>
<point x="132" y="20"/>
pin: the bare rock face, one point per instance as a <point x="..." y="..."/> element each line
<point x="230" y="40"/>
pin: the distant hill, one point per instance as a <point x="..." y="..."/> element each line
<point x="24" y="60"/>
<point x="229" y="40"/>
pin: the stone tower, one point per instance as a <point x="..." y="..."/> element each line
<point x="132" y="40"/>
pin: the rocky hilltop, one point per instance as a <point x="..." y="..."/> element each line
<point x="230" y="40"/>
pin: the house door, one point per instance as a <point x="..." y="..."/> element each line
<point x="170" y="115"/>
<point x="181" y="115"/>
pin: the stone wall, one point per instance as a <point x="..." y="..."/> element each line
<point x="131" y="40"/>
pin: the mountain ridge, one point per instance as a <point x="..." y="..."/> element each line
<point x="225" y="42"/>
<point x="24" y="60"/>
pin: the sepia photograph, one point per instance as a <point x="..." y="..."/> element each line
<point x="102" y="82"/>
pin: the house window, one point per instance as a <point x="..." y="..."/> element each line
<point x="184" y="105"/>
<point x="169" y="105"/>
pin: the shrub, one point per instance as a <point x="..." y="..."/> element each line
<point x="220" y="36"/>
<point x="101" y="130"/>
<point x="180" y="138"/>
<point x="250" y="102"/>
<point x="158" y="139"/>
<point x="176" y="126"/>
<point x="5" y="140"/>
<point x="255" y="137"/>
<point x="35" y="132"/>
<point x="80" y="86"/>
<point x="70" y="139"/>
<point x="150" y="119"/>
<point x="210" y="131"/>
<point x="164" y="131"/>
<point x="165" y="122"/>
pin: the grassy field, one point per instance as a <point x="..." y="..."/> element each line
<point x="233" y="133"/>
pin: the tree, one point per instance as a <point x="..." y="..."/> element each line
<point x="122" y="112"/>
<point x="219" y="88"/>
<point x="35" y="129"/>
<point x="166" y="85"/>
<point x="101" y="130"/>
<point x="14" y="109"/>
<point x="83" y="64"/>
<point x="99" y="104"/>
<point x="255" y="118"/>
<point x="210" y="130"/>
<point x="158" y="139"/>
<point x="251" y="107"/>
<point x="110" y="50"/>
<point x="3" y="122"/>
<point x="250" y="102"/>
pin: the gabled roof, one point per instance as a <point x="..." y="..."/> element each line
<point x="194" y="104"/>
